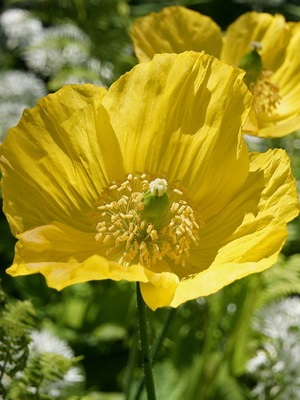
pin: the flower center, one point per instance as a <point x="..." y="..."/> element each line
<point x="142" y="221"/>
<point x="266" y="97"/>
<point x="265" y="93"/>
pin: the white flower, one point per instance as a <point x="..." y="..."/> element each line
<point x="46" y="342"/>
<point x="56" y="47"/>
<point x="276" y="364"/>
<point x="19" y="90"/>
<point x="19" y="27"/>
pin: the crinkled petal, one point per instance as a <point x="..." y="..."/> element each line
<point x="271" y="31"/>
<point x="247" y="236"/>
<point x="175" y="30"/>
<point x="57" y="160"/>
<point x="214" y="279"/>
<point x="66" y="256"/>
<point x="184" y="125"/>
<point x="55" y="242"/>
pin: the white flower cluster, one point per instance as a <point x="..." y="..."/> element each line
<point x="19" y="90"/>
<point x="19" y="27"/>
<point x="47" y="50"/>
<point x="277" y="363"/>
<point x="46" y="342"/>
<point x="55" y="47"/>
<point x="60" y="54"/>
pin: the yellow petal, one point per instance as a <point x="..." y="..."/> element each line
<point x="175" y="30"/>
<point x="214" y="279"/>
<point x="293" y="26"/>
<point x="185" y="126"/>
<point x="66" y="256"/>
<point x="272" y="129"/>
<point x="271" y="31"/>
<point x="287" y="77"/>
<point x="57" y="160"/>
<point x="53" y="243"/>
<point x="160" y="290"/>
<point x="247" y="236"/>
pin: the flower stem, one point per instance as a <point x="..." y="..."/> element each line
<point x="155" y="348"/>
<point x="145" y="345"/>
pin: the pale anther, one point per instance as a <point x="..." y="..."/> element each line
<point x="254" y="45"/>
<point x="177" y="191"/>
<point x="132" y="238"/>
<point x="113" y="187"/>
<point x="158" y="187"/>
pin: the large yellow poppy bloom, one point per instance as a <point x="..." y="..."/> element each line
<point x="149" y="181"/>
<point x="275" y="109"/>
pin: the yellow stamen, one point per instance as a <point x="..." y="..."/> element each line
<point x="266" y="97"/>
<point x="131" y="239"/>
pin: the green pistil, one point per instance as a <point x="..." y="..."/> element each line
<point x="251" y="63"/>
<point x="156" y="203"/>
<point x="156" y="208"/>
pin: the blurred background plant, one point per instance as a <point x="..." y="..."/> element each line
<point x="33" y="364"/>
<point x="241" y="343"/>
<point x="276" y="363"/>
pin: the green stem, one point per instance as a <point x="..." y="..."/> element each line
<point x="145" y="344"/>
<point x="155" y="348"/>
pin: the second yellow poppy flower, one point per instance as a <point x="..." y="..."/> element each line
<point x="275" y="108"/>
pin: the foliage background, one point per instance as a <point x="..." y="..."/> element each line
<point x="206" y="350"/>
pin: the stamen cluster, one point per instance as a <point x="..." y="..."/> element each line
<point x="130" y="239"/>
<point x="266" y="95"/>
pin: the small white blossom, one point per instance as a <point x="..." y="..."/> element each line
<point x="277" y="363"/>
<point x="19" y="27"/>
<point x="19" y="90"/>
<point x="56" y="47"/>
<point x="47" y="342"/>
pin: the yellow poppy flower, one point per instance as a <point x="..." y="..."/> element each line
<point x="149" y="181"/>
<point x="275" y="84"/>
